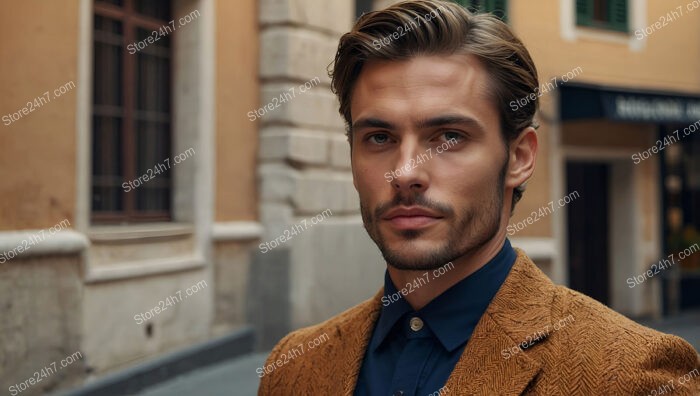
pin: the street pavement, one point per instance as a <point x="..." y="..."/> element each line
<point x="685" y="325"/>
<point x="237" y="377"/>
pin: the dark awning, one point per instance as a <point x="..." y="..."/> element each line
<point x="586" y="101"/>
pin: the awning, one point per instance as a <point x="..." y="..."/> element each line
<point x="588" y="101"/>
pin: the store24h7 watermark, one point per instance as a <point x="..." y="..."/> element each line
<point x="295" y="230"/>
<point x="32" y="240"/>
<point x="163" y="305"/>
<point x="157" y="170"/>
<point x="667" y="140"/>
<point x="420" y="159"/>
<point x="291" y="355"/>
<point x="283" y="98"/>
<point x="537" y="215"/>
<point x="45" y="372"/>
<point x="663" y="264"/>
<point x="36" y="103"/>
<point x="162" y="32"/>
<point x="416" y="284"/>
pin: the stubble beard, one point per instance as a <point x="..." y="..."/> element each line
<point x="471" y="230"/>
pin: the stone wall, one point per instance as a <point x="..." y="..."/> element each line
<point x="40" y="307"/>
<point x="304" y="170"/>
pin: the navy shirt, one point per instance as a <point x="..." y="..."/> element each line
<point x="413" y="353"/>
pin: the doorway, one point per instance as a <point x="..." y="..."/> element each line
<point x="588" y="229"/>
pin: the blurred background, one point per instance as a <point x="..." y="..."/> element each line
<point x="154" y="152"/>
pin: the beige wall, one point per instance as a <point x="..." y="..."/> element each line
<point x="38" y="53"/>
<point x="660" y="64"/>
<point x="605" y="60"/>
<point x="237" y="93"/>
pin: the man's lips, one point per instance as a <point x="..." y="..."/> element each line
<point x="411" y="217"/>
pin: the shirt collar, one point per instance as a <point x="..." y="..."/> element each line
<point x="453" y="315"/>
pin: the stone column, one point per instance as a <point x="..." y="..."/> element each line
<point x="304" y="172"/>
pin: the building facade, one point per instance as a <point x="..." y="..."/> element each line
<point x="174" y="173"/>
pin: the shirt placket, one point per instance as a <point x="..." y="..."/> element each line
<point x="413" y="357"/>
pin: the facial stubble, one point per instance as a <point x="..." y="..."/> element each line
<point x="472" y="229"/>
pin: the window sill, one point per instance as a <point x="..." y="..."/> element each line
<point x="143" y="268"/>
<point x="600" y="34"/>
<point x="146" y="232"/>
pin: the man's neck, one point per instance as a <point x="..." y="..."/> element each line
<point x="438" y="282"/>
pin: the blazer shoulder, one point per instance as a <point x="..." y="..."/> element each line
<point x="589" y="312"/>
<point x="328" y="339"/>
<point x="627" y="355"/>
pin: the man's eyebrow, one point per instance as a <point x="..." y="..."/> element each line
<point x="449" y="119"/>
<point x="442" y="120"/>
<point x="371" y="122"/>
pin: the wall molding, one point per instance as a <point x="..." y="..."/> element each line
<point x="236" y="231"/>
<point x="63" y="242"/>
<point x="143" y="268"/>
<point x="536" y="248"/>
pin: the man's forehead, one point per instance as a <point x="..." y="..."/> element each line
<point x="439" y="65"/>
<point x="419" y="78"/>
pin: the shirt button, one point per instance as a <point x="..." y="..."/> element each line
<point x="416" y="324"/>
<point x="398" y="393"/>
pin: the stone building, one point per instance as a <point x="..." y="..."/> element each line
<point x="154" y="151"/>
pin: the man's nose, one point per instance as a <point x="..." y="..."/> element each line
<point x="412" y="175"/>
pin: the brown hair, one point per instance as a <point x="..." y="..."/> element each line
<point x="433" y="27"/>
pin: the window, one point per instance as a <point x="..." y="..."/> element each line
<point x="603" y="14"/>
<point x="361" y="7"/>
<point x="497" y="7"/>
<point x="131" y="112"/>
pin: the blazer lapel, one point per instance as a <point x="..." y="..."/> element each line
<point x="356" y="333"/>
<point x="492" y="363"/>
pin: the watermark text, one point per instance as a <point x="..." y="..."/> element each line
<point x="292" y="354"/>
<point x="417" y="284"/>
<point x="539" y="214"/>
<point x="36" y="103"/>
<point x="283" y="98"/>
<point x="663" y="264"/>
<point x="32" y="240"/>
<point x="170" y="301"/>
<point x="45" y="372"/>
<point x="162" y="32"/>
<point x="420" y="159"/>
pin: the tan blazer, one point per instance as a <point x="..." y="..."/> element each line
<point x="535" y="338"/>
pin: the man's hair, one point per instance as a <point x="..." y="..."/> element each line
<point x="432" y="27"/>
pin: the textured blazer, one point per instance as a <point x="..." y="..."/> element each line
<point x="535" y="338"/>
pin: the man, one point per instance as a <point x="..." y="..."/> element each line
<point x="439" y="160"/>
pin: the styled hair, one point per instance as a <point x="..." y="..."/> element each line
<point x="433" y="27"/>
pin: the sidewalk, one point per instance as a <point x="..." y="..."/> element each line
<point x="235" y="377"/>
<point x="238" y="377"/>
<point x="685" y="325"/>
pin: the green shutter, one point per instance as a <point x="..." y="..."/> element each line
<point x="617" y="13"/>
<point x="471" y="5"/>
<point x="584" y="12"/>
<point x="498" y="8"/>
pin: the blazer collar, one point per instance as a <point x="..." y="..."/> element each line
<point x="520" y="314"/>
<point x="520" y="309"/>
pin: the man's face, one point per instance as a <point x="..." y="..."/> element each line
<point x="421" y="206"/>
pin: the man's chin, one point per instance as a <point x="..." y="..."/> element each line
<point x="408" y="256"/>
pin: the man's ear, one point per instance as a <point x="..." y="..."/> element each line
<point x="523" y="155"/>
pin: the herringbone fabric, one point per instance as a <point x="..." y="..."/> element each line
<point x="535" y="338"/>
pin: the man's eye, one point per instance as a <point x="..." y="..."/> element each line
<point x="453" y="135"/>
<point x="379" y="138"/>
